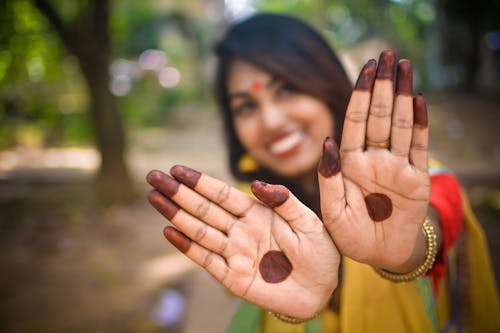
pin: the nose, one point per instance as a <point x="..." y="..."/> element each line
<point x="273" y="116"/>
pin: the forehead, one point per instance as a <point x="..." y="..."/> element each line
<point x="243" y="76"/>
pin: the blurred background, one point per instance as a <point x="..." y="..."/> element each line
<point x="95" y="93"/>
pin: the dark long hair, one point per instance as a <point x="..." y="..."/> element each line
<point x="294" y="52"/>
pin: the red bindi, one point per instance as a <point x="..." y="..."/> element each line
<point x="256" y="86"/>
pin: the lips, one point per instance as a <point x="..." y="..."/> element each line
<point x="286" y="144"/>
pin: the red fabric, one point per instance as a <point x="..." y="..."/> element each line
<point x="446" y="199"/>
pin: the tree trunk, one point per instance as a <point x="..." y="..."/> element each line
<point x="94" y="53"/>
<point x="88" y="38"/>
<point x="113" y="179"/>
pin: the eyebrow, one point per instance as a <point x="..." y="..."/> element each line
<point x="242" y="94"/>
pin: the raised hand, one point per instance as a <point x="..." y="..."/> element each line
<point x="375" y="192"/>
<point x="275" y="253"/>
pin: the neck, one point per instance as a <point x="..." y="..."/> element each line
<point x="309" y="182"/>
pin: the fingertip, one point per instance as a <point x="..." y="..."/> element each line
<point x="164" y="205"/>
<point x="329" y="164"/>
<point x="153" y="197"/>
<point x="271" y="195"/>
<point x="185" y="175"/>
<point x="386" y="62"/>
<point x="366" y="77"/>
<point x="154" y="176"/>
<point x="404" y="81"/>
<point x="420" y="111"/>
<point x="177" y="239"/>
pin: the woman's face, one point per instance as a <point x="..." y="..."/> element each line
<point x="282" y="128"/>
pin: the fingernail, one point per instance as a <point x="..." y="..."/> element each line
<point x="177" y="239"/>
<point x="165" y="184"/>
<point x="330" y="160"/>
<point x="385" y="68"/>
<point x="185" y="175"/>
<point x="420" y="111"/>
<point x="404" y="81"/>
<point x="164" y="205"/>
<point x="366" y="76"/>
<point x="271" y="195"/>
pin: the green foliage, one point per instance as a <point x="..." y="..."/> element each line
<point x="43" y="97"/>
<point x="37" y="79"/>
<point x="403" y="24"/>
<point x="135" y="26"/>
<point x="41" y="85"/>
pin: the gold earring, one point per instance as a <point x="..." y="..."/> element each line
<point x="247" y="164"/>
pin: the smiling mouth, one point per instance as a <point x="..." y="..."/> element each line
<point x="284" y="146"/>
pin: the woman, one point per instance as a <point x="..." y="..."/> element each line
<point x="282" y="90"/>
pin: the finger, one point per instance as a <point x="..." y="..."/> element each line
<point x="192" y="202"/>
<point x="195" y="229"/>
<point x="299" y="217"/>
<point x="165" y="207"/>
<point x="294" y="220"/>
<point x="420" y="138"/>
<point x="354" y="131"/>
<point x="229" y="198"/>
<point x="331" y="185"/>
<point x="402" y="117"/>
<point x="379" y="115"/>
<point x="211" y="262"/>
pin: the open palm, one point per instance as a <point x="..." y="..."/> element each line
<point x="275" y="253"/>
<point x="375" y="191"/>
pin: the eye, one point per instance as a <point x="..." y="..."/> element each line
<point x="244" y="109"/>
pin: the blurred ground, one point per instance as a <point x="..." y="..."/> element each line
<point x="70" y="265"/>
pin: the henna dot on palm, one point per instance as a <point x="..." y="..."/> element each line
<point x="379" y="206"/>
<point x="275" y="267"/>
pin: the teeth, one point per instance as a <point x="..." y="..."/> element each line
<point x="286" y="143"/>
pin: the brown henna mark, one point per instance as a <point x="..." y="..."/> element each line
<point x="379" y="206"/>
<point x="185" y="175"/>
<point x="366" y="76"/>
<point x="420" y="111"/>
<point x="385" y="68"/>
<point x="162" y="204"/>
<point x="165" y="184"/>
<point x="177" y="239"/>
<point x="271" y="195"/>
<point x="275" y="267"/>
<point x="404" y="81"/>
<point x="330" y="160"/>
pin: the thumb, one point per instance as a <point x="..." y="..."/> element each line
<point x="331" y="184"/>
<point x="298" y="216"/>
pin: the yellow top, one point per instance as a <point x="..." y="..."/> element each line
<point x="369" y="303"/>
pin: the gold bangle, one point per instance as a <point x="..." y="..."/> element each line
<point x="292" y="320"/>
<point x="432" y="249"/>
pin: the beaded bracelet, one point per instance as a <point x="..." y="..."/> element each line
<point x="432" y="249"/>
<point x="292" y="320"/>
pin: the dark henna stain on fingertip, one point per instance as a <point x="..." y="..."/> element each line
<point x="162" y="182"/>
<point x="152" y="176"/>
<point x="385" y="69"/>
<point x="169" y="186"/>
<point x="420" y="117"/>
<point x="275" y="267"/>
<point x="271" y="195"/>
<point x="366" y="77"/>
<point x="379" y="206"/>
<point x="177" y="239"/>
<point x="163" y="204"/>
<point x="404" y="81"/>
<point x="185" y="175"/>
<point x="329" y="164"/>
